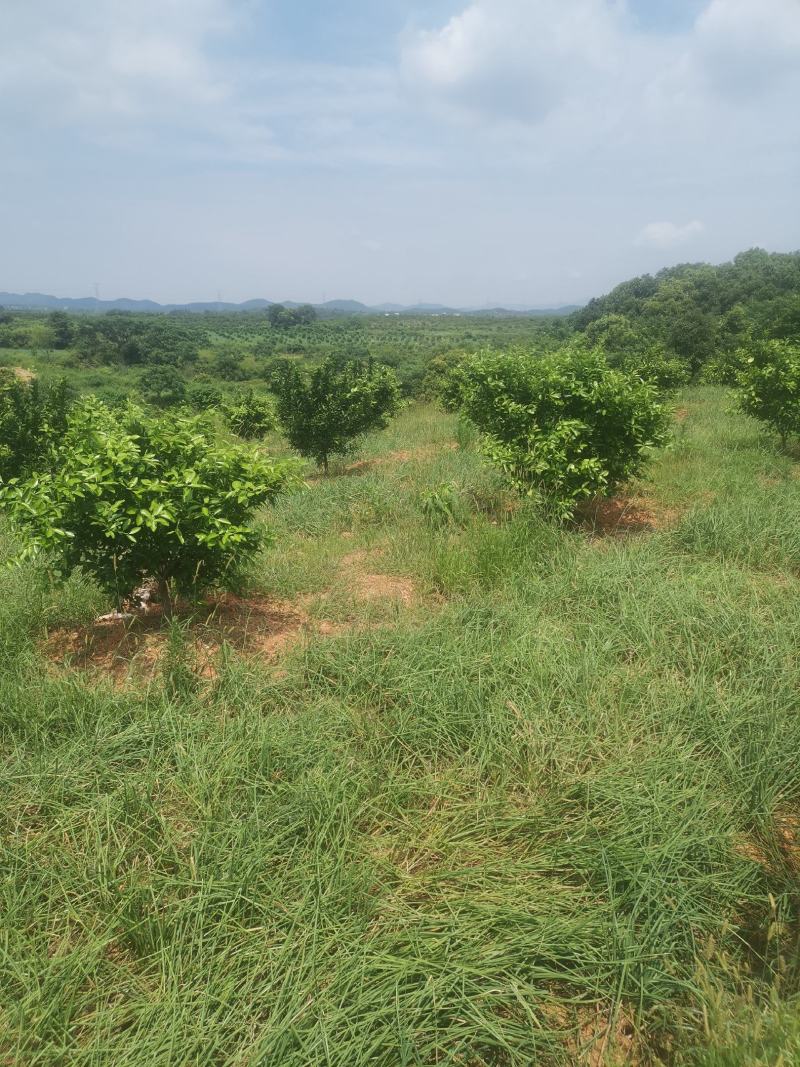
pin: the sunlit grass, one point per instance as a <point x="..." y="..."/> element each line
<point x="549" y="795"/>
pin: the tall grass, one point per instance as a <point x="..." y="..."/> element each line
<point x="542" y="813"/>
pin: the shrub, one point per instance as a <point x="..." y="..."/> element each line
<point x="32" y="418"/>
<point x="562" y="427"/>
<point x="203" y="395"/>
<point x="325" y="412"/>
<point x="724" y="367"/>
<point x="769" y="385"/>
<point x="162" y="386"/>
<point x="444" y="379"/>
<point x="251" y="415"/>
<point x="654" y="364"/>
<point x="133" y="498"/>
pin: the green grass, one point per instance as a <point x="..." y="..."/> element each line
<point x="552" y="793"/>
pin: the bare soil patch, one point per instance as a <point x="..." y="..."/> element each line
<point x="608" y="516"/>
<point x="787" y="839"/>
<point x="134" y="645"/>
<point x="368" y="585"/>
<point x="598" y="1035"/>
<point x="364" y="466"/>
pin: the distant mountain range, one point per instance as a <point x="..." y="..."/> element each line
<point x="45" y="302"/>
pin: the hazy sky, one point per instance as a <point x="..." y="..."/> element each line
<point x="502" y="151"/>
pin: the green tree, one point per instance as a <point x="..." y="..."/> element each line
<point x="250" y="415"/>
<point x="61" y="327"/>
<point x="32" y="419"/>
<point x="324" y="412"/>
<point x="162" y="386"/>
<point x="769" y="385"/>
<point x="280" y="317"/>
<point x="133" y="498"/>
<point x="228" y="365"/>
<point x="203" y="395"/>
<point x="562" y="427"/>
<point x="39" y="336"/>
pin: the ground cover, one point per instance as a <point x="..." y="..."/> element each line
<point x="468" y="790"/>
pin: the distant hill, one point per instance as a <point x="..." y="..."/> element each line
<point x="352" y="307"/>
<point x="89" y="304"/>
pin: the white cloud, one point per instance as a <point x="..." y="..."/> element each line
<point x="746" y="46"/>
<point x="668" y="234"/>
<point x="530" y="60"/>
<point x="125" y="72"/>
<point x="517" y="59"/>
<point x="514" y="141"/>
<point x="111" y="57"/>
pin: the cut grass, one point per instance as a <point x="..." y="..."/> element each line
<point x="537" y="815"/>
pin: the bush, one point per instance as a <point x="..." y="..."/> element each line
<point x="444" y="379"/>
<point x="769" y="385"/>
<point x="324" y="413"/>
<point x="163" y="386"/>
<point x="251" y="415"/>
<point x="32" y="418"/>
<point x="654" y="364"/>
<point x="133" y="498"/>
<point x="724" y="367"/>
<point x="203" y="395"/>
<point x="562" y="427"/>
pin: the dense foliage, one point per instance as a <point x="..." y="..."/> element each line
<point x="563" y="427"/>
<point x="250" y="415"/>
<point x="324" y="412"/>
<point x="130" y="497"/>
<point x="695" y="310"/>
<point x="769" y="385"/>
<point x="32" y="419"/>
<point x="282" y="317"/>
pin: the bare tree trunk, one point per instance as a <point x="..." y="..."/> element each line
<point x="165" y="596"/>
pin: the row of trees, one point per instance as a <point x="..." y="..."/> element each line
<point x="132" y="497"/>
<point x="570" y="425"/>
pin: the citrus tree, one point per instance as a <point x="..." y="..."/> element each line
<point x="32" y="418"/>
<point x="769" y="385"/>
<point x="325" y="411"/>
<point x="132" y="498"/>
<point x="250" y="415"/>
<point x="162" y="385"/>
<point x="565" y="426"/>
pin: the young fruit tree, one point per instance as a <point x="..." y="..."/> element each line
<point x="324" y="412"/>
<point x="131" y="498"/>
<point x="250" y="415"/>
<point x="769" y="385"/>
<point x="563" y="427"/>
<point x="32" y="419"/>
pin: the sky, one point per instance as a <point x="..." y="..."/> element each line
<point x="517" y="152"/>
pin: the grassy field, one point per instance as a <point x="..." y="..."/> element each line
<point x="474" y="791"/>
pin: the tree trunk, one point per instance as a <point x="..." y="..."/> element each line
<point x="165" y="596"/>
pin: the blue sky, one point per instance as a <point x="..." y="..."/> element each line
<point x="464" y="151"/>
